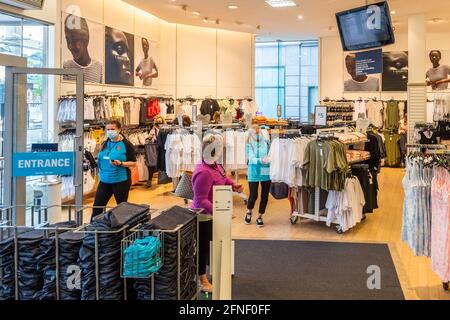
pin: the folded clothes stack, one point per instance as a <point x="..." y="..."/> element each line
<point x="142" y="258"/>
<point x="109" y="251"/>
<point x="355" y="155"/>
<point x="166" y="285"/>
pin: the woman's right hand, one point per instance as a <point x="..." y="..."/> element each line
<point x="239" y="188"/>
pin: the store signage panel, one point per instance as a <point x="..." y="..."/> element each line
<point x="28" y="164"/>
<point x="321" y="116"/>
<point x="44" y="147"/>
<point x="369" y="62"/>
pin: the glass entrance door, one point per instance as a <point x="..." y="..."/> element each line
<point x="39" y="164"/>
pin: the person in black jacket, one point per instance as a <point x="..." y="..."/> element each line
<point x="209" y="106"/>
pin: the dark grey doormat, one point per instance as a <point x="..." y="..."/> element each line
<point x="301" y="270"/>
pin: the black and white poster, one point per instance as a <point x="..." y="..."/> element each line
<point x="147" y="58"/>
<point x="83" y="47"/>
<point x="395" y="71"/>
<point x="119" y="57"/>
<point x="438" y="70"/>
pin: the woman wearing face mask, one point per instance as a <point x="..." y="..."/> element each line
<point x="257" y="151"/>
<point x="208" y="174"/>
<point x="114" y="160"/>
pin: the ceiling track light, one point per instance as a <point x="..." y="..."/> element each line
<point x="184" y="7"/>
<point x="205" y="20"/>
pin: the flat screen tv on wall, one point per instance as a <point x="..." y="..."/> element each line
<point x="366" y="27"/>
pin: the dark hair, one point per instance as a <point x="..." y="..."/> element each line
<point x="187" y="122"/>
<point x="437" y="51"/>
<point x="146" y="40"/>
<point x="114" y="122"/>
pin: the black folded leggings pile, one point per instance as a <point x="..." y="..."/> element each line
<point x="7" y="269"/>
<point x="69" y="247"/>
<point x="111" y="285"/>
<point x="166" y="280"/>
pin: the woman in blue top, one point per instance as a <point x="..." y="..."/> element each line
<point x="257" y="151"/>
<point x="114" y="160"/>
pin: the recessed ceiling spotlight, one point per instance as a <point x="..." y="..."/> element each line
<point x="300" y="17"/>
<point x="196" y="13"/>
<point x="239" y="23"/>
<point x="258" y="27"/>
<point x="233" y="7"/>
<point x="436" y="20"/>
<point x="217" y="21"/>
<point x="205" y="20"/>
<point x="281" y="3"/>
<point x="393" y="12"/>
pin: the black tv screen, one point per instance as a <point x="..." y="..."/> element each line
<point x="366" y="27"/>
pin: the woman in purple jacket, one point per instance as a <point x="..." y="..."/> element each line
<point x="208" y="174"/>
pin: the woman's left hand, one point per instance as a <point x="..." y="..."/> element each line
<point x="116" y="163"/>
<point x="238" y="188"/>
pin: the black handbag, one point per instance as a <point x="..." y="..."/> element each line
<point x="163" y="178"/>
<point x="184" y="188"/>
<point x="279" y="191"/>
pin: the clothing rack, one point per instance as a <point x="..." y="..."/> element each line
<point x="427" y="146"/>
<point x="320" y="215"/>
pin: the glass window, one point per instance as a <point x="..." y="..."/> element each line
<point x="287" y="74"/>
<point x="29" y="39"/>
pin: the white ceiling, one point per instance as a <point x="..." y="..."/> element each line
<point x="282" y="23"/>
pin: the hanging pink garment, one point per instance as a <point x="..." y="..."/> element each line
<point x="440" y="224"/>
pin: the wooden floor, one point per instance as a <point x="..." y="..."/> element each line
<point x="384" y="226"/>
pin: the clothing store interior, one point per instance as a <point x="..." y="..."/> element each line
<point x="227" y="149"/>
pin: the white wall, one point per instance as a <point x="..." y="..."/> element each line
<point x="332" y="65"/>
<point x="192" y="60"/>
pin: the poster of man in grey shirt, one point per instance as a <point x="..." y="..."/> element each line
<point x="358" y="82"/>
<point x="438" y="75"/>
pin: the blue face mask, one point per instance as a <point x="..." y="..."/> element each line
<point x="112" y="134"/>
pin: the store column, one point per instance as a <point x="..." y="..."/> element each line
<point x="417" y="90"/>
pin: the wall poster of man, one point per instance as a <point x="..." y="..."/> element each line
<point x="395" y="71"/>
<point x="83" y="47"/>
<point x="119" y="57"/>
<point x="359" y="83"/>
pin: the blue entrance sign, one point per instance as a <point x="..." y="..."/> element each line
<point x="28" y="164"/>
<point x="369" y="62"/>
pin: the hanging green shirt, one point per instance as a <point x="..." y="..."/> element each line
<point x="394" y="155"/>
<point x="392" y="115"/>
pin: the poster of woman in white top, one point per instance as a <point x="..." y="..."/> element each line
<point x="147" y="72"/>
<point x="438" y="75"/>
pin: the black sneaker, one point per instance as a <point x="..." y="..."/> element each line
<point x="259" y="223"/>
<point x="248" y="218"/>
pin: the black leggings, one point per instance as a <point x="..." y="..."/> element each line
<point x="254" y="186"/>
<point x="106" y="190"/>
<point x="205" y="238"/>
